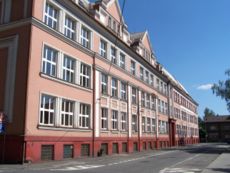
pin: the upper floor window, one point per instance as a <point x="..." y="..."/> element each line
<point x="123" y="121"/>
<point x="67" y="113"/>
<point x="114" y="87"/>
<point x="110" y="22"/>
<point x="51" y="16"/>
<point x="151" y="80"/>
<point x="114" y="120"/>
<point x="143" y="124"/>
<point x="49" y="61"/>
<point x="104" y="84"/>
<point x="153" y="125"/>
<point x="104" y="118"/>
<point x="47" y="108"/>
<point x="68" y="69"/>
<point x="147" y="76"/>
<point x="148" y="101"/>
<point x="70" y="28"/>
<point x="85" y="73"/>
<point x="114" y="55"/>
<point x="103" y="49"/>
<point x="84" y="116"/>
<point x="134" y="123"/>
<point x="85" y="37"/>
<point x="134" y="95"/>
<point x="123" y="91"/>
<point x="122" y="60"/>
<point x="142" y="99"/>
<point x="141" y="73"/>
<point x="148" y="124"/>
<point x="158" y="84"/>
<point x="133" y="67"/>
<point x="153" y="103"/>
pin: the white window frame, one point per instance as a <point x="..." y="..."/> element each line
<point x="104" y="84"/>
<point x="123" y="91"/>
<point x="85" y="37"/>
<point x="69" y="114"/>
<point x="147" y="104"/>
<point x="143" y="99"/>
<point x="47" y="16"/>
<point x="146" y="76"/>
<point x="66" y="69"/>
<point x="114" y="89"/>
<point x="113" y="55"/>
<point x="52" y="62"/>
<point x="148" y="124"/>
<point x="85" y="68"/>
<point x="151" y="80"/>
<point x="133" y="67"/>
<point x="153" y="125"/>
<point x="134" y="96"/>
<point x="49" y="110"/>
<point x="83" y="116"/>
<point x="123" y="121"/>
<point x="114" y="120"/>
<point x="134" y="123"/>
<point x="104" y="118"/>
<point x="103" y="50"/>
<point x="122" y="60"/>
<point x="153" y="102"/>
<point x="71" y="29"/>
<point x="143" y="124"/>
<point x="142" y="73"/>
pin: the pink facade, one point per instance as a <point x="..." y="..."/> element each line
<point x="79" y="85"/>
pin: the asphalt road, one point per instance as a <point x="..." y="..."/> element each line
<point x="189" y="159"/>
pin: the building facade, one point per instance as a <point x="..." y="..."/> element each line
<point x="218" y="128"/>
<point x="75" y="82"/>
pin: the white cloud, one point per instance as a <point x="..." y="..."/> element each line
<point x="205" y="87"/>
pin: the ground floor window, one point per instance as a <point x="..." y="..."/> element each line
<point x="115" y="148"/>
<point x="85" y="150"/>
<point x="67" y="151"/>
<point x="47" y="152"/>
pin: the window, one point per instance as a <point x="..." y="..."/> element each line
<point x="51" y="16"/>
<point x="85" y="37"/>
<point x="153" y="125"/>
<point x="134" y="123"/>
<point x="85" y="75"/>
<point x="110" y="22"/>
<point x="49" y="61"/>
<point x="104" y="82"/>
<point x="123" y="121"/>
<point x="122" y="60"/>
<point x="162" y="127"/>
<point x="114" y="26"/>
<point x="47" y="110"/>
<point x="104" y="118"/>
<point x="123" y="91"/>
<point x="113" y="55"/>
<point x="151" y="80"/>
<point x="148" y="124"/>
<point x="84" y="116"/>
<point x="159" y="105"/>
<point x="133" y="68"/>
<point x="141" y="73"/>
<point x="162" y="107"/>
<point x="143" y="124"/>
<point x="165" y="89"/>
<point x="68" y="69"/>
<point x="148" y="101"/>
<point x="67" y="113"/>
<point x="158" y="84"/>
<point x="134" y="95"/>
<point x="70" y="28"/>
<point x="161" y="86"/>
<point x="103" y="49"/>
<point x="114" y="120"/>
<point x="142" y="99"/>
<point x="153" y="103"/>
<point x="114" y="87"/>
<point x="147" y="76"/>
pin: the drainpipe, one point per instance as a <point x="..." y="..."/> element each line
<point x="138" y="119"/>
<point x="93" y="113"/>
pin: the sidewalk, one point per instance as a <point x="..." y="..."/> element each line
<point x="220" y="165"/>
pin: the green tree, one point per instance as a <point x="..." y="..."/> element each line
<point x="209" y="113"/>
<point x="222" y="89"/>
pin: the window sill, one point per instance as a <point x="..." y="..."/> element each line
<point x="64" y="82"/>
<point x="43" y="127"/>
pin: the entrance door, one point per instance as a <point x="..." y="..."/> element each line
<point x="172" y="133"/>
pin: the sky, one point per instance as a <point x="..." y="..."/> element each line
<point x="191" y="39"/>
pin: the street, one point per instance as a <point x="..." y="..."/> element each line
<point x="188" y="159"/>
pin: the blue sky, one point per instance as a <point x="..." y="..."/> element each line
<point x="191" y="39"/>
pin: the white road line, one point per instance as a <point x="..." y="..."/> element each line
<point x="76" y="168"/>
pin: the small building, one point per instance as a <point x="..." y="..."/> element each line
<point x="218" y="128"/>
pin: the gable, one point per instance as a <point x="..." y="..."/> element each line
<point x="146" y="42"/>
<point x="113" y="9"/>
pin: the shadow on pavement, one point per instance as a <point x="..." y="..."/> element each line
<point x="227" y="170"/>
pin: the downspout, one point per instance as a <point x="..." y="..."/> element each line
<point x="93" y="113"/>
<point x="138" y="120"/>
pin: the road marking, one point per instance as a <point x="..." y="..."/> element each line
<point x="76" y="168"/>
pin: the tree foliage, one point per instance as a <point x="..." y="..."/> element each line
<point x="222" y="89"/>
<point x="209" y="113"/>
